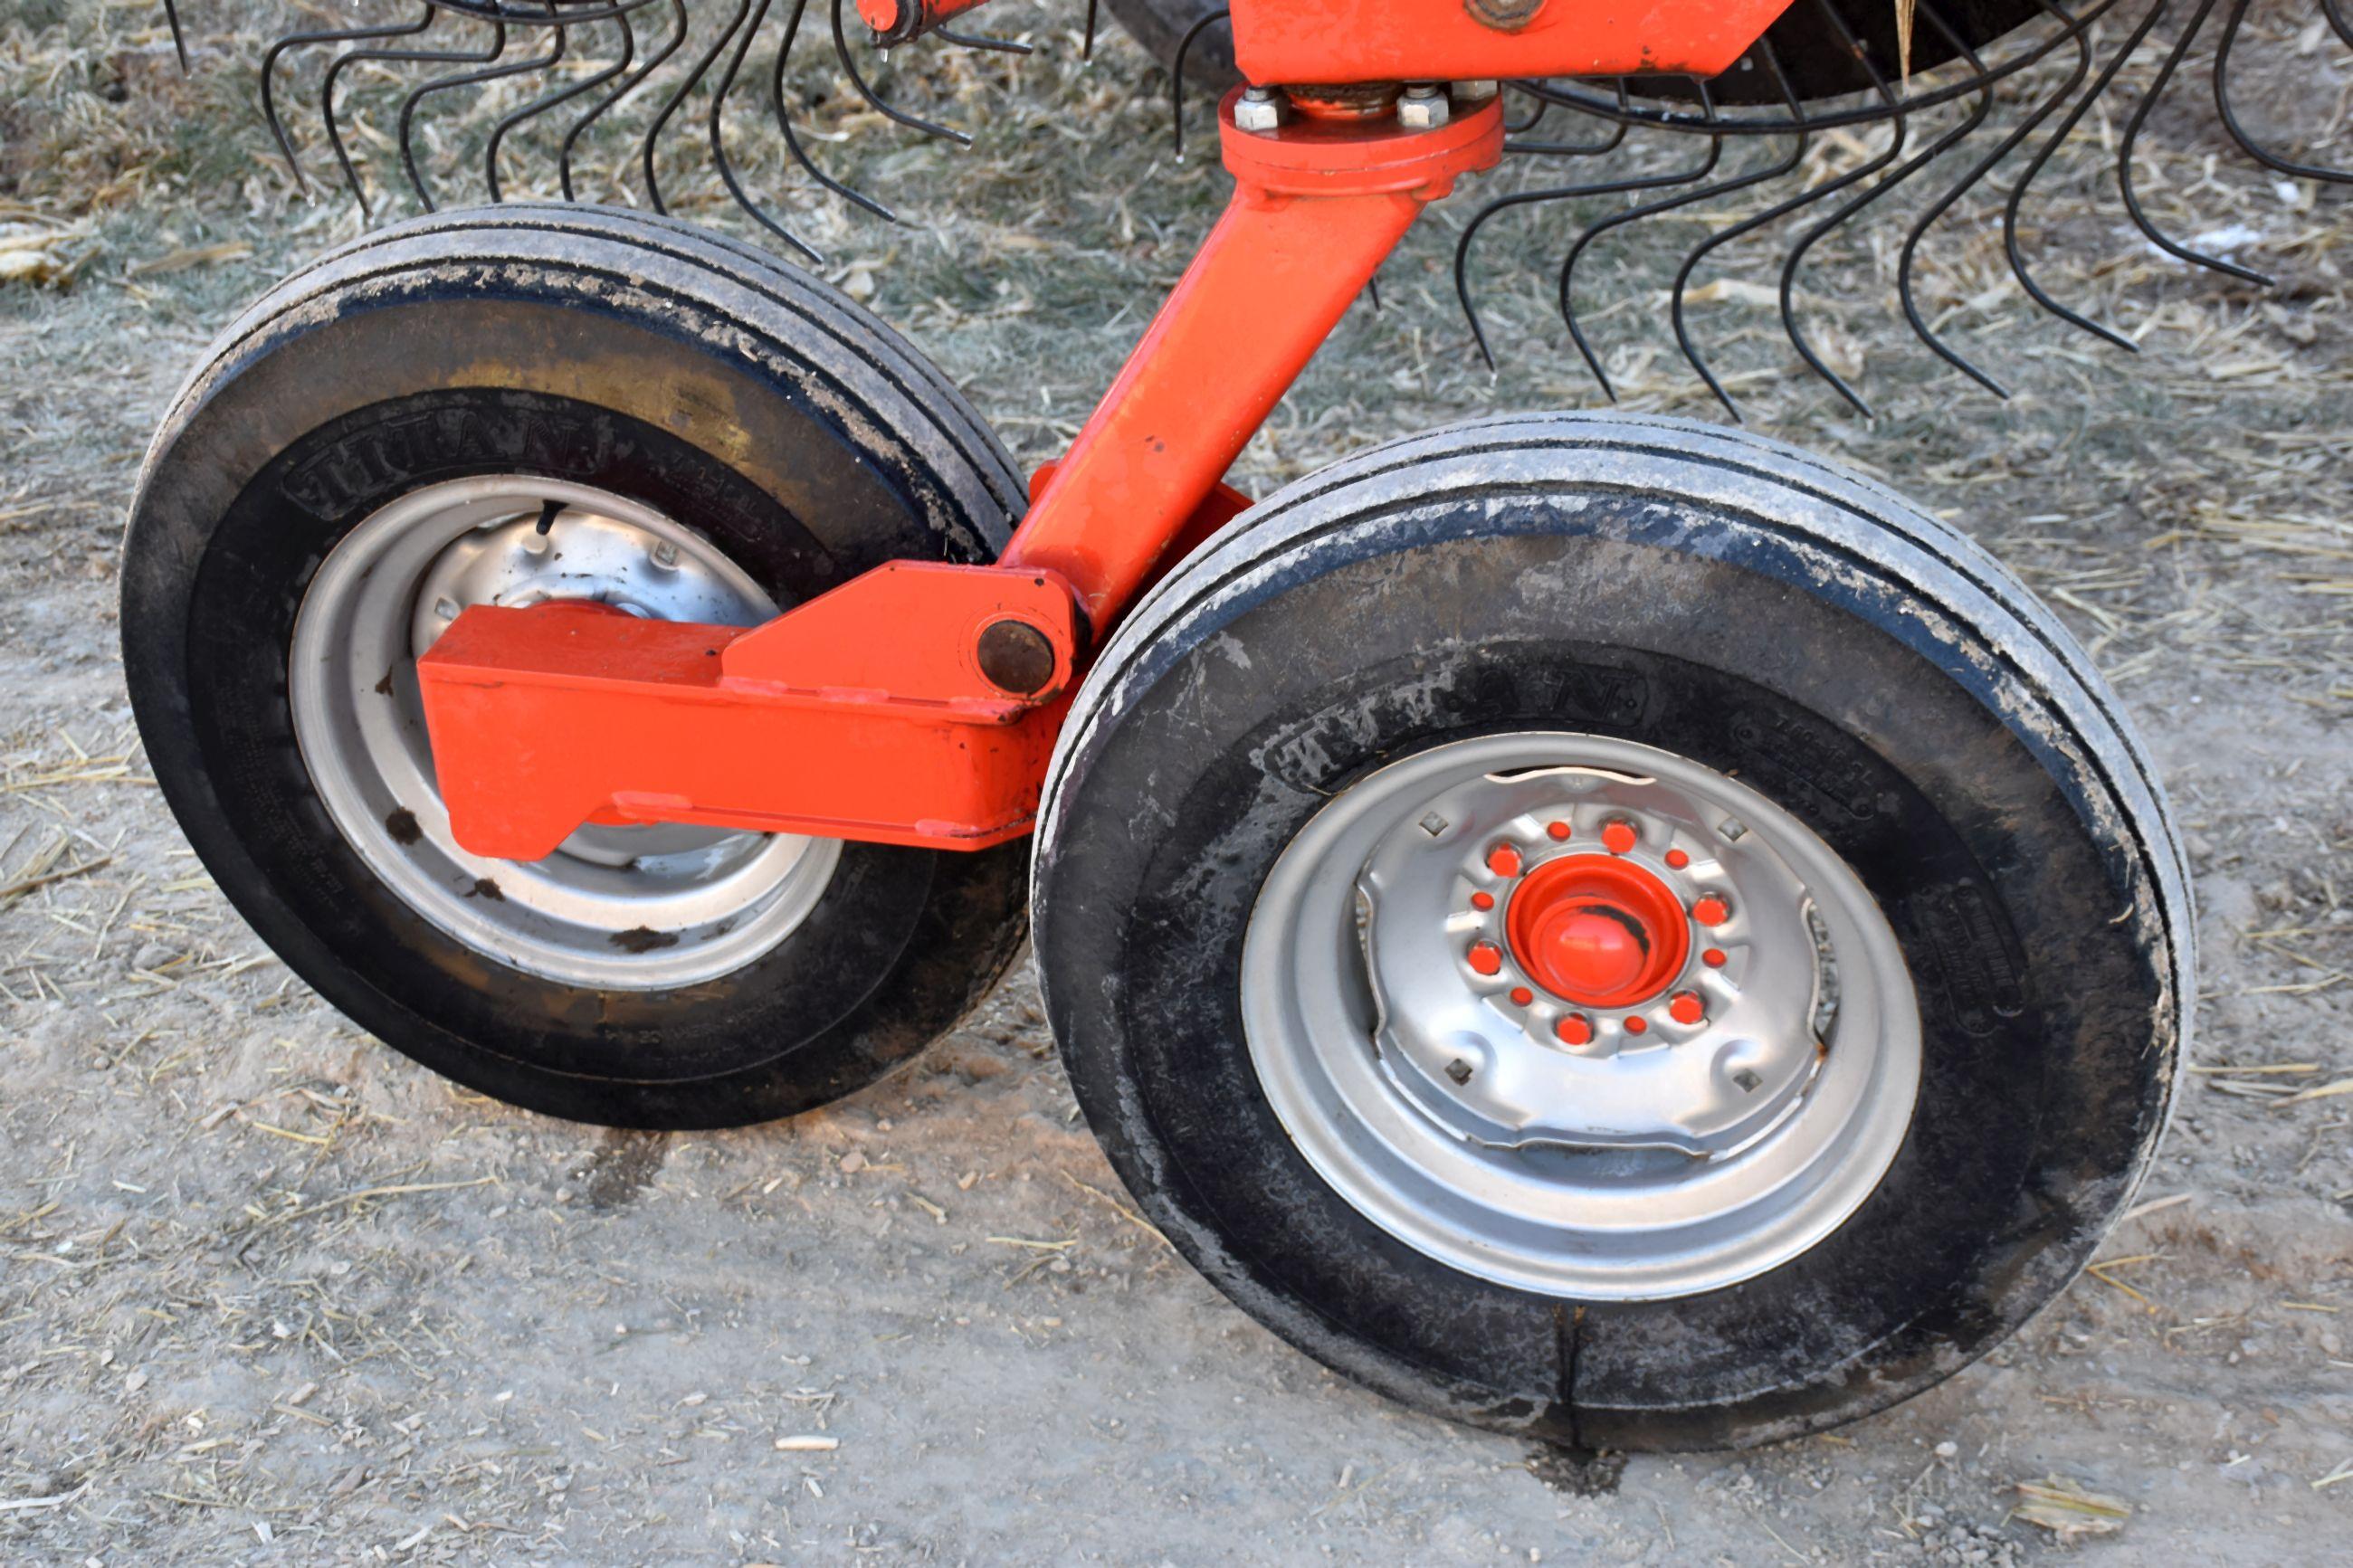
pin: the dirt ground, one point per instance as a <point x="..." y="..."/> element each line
<point x="271" y="1293"/>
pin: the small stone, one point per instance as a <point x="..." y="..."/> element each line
<point x="853" y="1162"/>
<point x="1947" y="1449"/>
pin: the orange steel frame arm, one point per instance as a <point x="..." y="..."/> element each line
<point x="546" y="718"/>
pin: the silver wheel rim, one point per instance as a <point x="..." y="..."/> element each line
<point x="1702" y="1134"/>
<point x="614" y="908"/>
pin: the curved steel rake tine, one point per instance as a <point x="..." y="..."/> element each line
<point x="630" y="84"/>
<point x="179" y="40"/>
<point x="464" y="79"/>
<point x="1546" y="103"/>
<point x="1544" y="107"/>
<point x="1501" y="205"/>
<point x="1969" y="180"/>
<point x="2255" y="149"/>
<point x="543" y="104"/>
<point x="913" y="121"/>
<point x="983" y="42"/>
<point x="1593" y="231"/>
<point x="1176" y="75"/>
<point x="2131" y="136"/>
<point x="677" y="96"/>
<point x="719" y="142"/>
<point x="2034" y="166"/>
<point x="303" y="40"/>
<point x="1910" y="166"/>
<point x="2340" y="19"/>
<point x="1691" y="261"/>
<point x="793" y="141"/>
<point x="336" y="67"/>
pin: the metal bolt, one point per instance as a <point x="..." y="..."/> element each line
<point x="1423" y="108"/>
<point x="445" y="609"/>
<point x="1259" y="109"/>
<point x="1732" y="829"/>
<point x="1476" y="92"/>
<point x="665" y="554"/>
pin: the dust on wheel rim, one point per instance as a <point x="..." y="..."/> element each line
<point x="1607" y="1121"/>
<point x="614" y="908"/>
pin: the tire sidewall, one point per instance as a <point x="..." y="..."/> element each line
<point x="1432" y="623"/>
<point x="270" y="460"/>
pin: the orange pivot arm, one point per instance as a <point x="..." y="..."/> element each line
<point x="1317" y="207"/>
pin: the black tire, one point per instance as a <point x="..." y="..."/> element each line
<point x="1726" y="598"/>
<point x="658" y="362"/>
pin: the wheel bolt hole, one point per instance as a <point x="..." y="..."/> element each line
<point x="1713" y="958"/>
<point x="1638" y="1025"/>
<point x="1522" y="996"/>
<point x="1483" y="900"/>
<point x="1677" y="859"/>
<point x="1557" y="830"/>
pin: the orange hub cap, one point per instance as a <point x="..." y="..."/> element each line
<point x="1597" y="930"/>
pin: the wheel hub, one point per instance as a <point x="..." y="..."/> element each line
<point x="617" y="908"/>
<point x="1585" y="958"/>
<point x="1595" y="930"/>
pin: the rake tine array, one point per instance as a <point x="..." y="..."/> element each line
<point x="625" y="62"/>
<point x="1966" y="88"/>
<point x="2030" y="94"/>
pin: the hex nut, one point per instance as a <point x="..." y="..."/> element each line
<point x="1259" y="109"/>
<point x="1422" y="109"/>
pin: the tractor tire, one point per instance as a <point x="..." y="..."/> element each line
<point x="1615" y="931"/>
<point x="702" y="434"/>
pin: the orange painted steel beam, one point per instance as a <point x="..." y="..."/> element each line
<point x="1317" y="206"/>
<point x="1337" y="41"/>
<point x="862" y="714"/>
